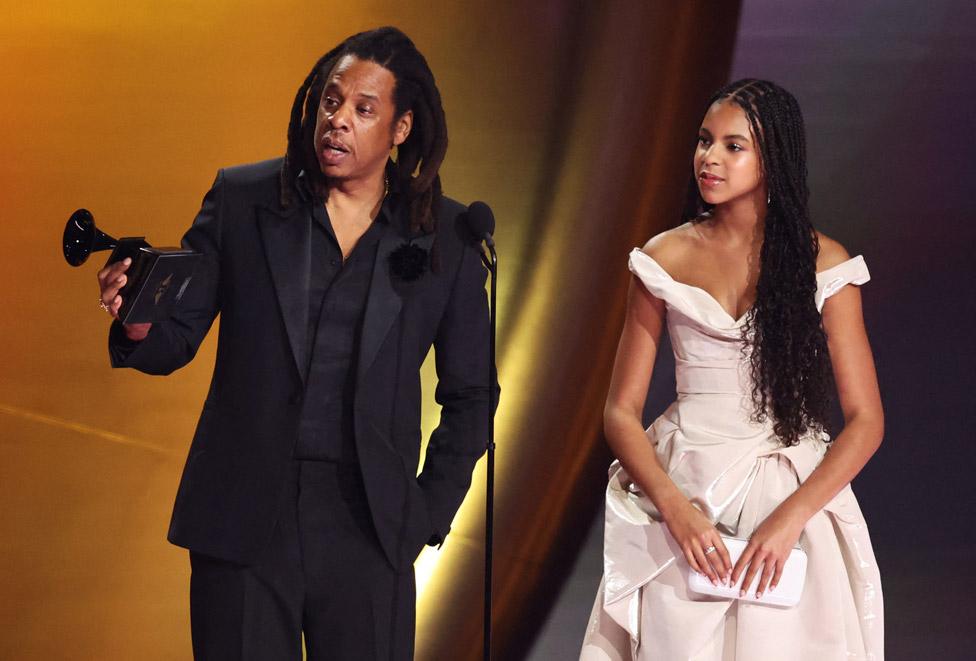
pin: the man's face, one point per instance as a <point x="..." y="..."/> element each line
<point x="356" y="126"/>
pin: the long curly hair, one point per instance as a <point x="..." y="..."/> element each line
<point x="422" y="152"/>
<point x="789" y="363"/>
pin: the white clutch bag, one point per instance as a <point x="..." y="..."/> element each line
<point x="787" y="592"/>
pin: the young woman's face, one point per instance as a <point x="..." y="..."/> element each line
<point x="727" y="161"/>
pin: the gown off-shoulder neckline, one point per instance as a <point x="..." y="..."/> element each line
<point x="848" y="265"/>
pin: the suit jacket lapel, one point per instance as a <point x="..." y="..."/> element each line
<point x="286" y="234"/>
<point x="384" y="302"/>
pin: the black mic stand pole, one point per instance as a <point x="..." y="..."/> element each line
<point x="492" y="265"/>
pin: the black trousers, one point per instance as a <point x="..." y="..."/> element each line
<point x="324" y="575"/>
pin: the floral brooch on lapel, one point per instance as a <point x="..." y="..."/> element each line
<point x="408" y="262"/>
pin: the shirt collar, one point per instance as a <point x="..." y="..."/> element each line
<point x="391" y="203"/>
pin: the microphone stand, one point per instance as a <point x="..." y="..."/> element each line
<point x="492" y="265"/>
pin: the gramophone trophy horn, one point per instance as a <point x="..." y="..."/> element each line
<point x="81" y="238"/>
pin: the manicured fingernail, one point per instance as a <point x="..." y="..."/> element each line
<point x="772" y="587"/>
<point x="742" y="593"/>
<point x="758" y="595"/>
<point x="715" y="582"/>
<point x="127" y="261"/>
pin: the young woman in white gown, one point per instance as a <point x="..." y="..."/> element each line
<point x="764" y="317"/>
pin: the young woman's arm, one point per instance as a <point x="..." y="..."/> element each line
<point x="625" y="434"/>
<point x="857" y="388"/>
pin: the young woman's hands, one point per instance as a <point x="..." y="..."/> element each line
<point x="700" y="541"/>
<point x="768" y="549"/>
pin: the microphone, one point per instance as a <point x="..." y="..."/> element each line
<point x="481" y="222"/>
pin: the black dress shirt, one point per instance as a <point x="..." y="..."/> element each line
<point x="337" y="300"/>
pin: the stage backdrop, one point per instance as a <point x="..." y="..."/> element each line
<point x="571" y="119"/>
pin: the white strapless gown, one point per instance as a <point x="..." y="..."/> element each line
<point x="737" y="472"/>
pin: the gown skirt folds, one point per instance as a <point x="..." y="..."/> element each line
<point x="737" y="472"/>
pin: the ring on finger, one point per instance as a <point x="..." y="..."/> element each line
<point x="102" y="304"/>
<point x="709" y="550"/>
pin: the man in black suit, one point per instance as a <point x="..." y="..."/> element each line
<point x="334" y="270"/>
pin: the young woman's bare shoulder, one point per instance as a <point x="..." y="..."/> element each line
<point x="831" y="253"/>
<point x="670" y="246"/>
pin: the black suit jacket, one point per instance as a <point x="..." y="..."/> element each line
<point x="255" y="274"/>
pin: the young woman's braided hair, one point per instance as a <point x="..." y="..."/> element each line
<point x="419" y="157"/>
<point x="789" y="361"/>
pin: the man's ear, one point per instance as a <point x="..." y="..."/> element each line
<point x="401" y="128"/>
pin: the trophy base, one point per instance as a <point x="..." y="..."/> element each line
<point x="156" y="279"/>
